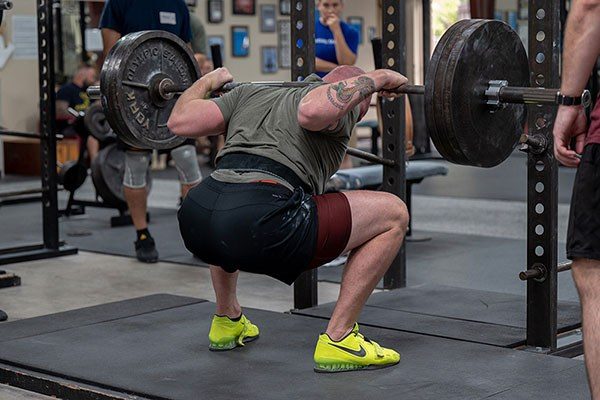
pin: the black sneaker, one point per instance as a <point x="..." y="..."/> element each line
<point x="145" y="250"/>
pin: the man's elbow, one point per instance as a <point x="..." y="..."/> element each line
<point x="308" y="119"/>
<point x="178" y="125"/>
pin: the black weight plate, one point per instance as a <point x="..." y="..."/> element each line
<point x="495" y="134"/>
<point x="96" y="123"/>
<point x="108" y="169"/>
<point x="455" y="34"/>
<point x="135" y="63"/>
<point x="72" y="175"/>
<point x="468" y="131"/>
<point x="437" y="97"/>
<point x="433" y="96"/>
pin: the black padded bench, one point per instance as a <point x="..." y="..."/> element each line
<point x="371" y="178"/>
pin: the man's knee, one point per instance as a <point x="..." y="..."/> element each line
<point x="187" y="166"/>
<point x="136" y="168"/>
<point x="586" y="274"/>
<point x="399" y="212"/>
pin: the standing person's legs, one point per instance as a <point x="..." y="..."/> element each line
<point x="136" y="195"/>
<point x="586" y="274"/>
<point x="583" y="247"/>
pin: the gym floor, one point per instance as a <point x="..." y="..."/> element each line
<point x="470" y="219"/>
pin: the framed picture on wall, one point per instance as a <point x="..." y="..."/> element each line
<point x="267" y="18"/>
<point x="215" y="11"/>
<point x="284" y="40"/>
<point x="240" y="41"/>
<point x="357" y="24"/>
<point x="244" y="7"/>
<point x="285" y="7"/>
<point x="214" y="40"/>
<point x="268" y="59"/>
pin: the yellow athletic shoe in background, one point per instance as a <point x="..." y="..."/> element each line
<point x="226" y="334"/>
<point x="353" y="352"/>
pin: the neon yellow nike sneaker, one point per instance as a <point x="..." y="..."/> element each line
<point x="353" y="352"/>
<point x="226" y="334"/>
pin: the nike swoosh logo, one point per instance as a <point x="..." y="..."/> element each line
<point x="356" y="353"/>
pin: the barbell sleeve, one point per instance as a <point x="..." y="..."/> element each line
<point x="5" y="5"/>
<point x="499" y="92"/>
<point x="94" y="92"/>
<point x="539" y="272"/>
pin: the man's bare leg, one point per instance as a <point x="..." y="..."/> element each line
<point x="586" y="274"/>
<point x="225" y="285"/>
<point x="93" y="146"/>
<point x="137" y="200"/>
<point x="379" y="223"/>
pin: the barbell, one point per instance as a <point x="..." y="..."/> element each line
<point x="476" y="90"/>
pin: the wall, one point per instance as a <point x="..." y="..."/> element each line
<point x="244" y="69"/>
<point x="19" y="90"/>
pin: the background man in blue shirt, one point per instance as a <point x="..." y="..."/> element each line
<point x="336" y="42"/>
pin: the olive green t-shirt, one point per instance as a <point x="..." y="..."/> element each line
<point x="264" y="121"/>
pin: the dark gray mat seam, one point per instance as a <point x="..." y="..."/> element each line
<point x="100" y="322"/>
<point x="565" y="328"/>
<point x="299" y="313"/>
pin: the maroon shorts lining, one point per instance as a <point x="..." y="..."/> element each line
<point x="334" y="227"/>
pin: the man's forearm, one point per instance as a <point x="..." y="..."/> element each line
<point x="327" y="104"/>
<point x="324" y="66"/>
<point x="198" y="91"/>
<point x="582" y="45"/>
<point x="189" y="116"/>
<point x="344" y="55"/>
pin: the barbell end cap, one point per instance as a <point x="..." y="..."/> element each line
<point x="94" y="92"/>
<point x="523" y="276"/>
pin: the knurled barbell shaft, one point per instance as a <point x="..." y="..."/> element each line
<point x="407" y="89"/>
<point x="94" y="92"/>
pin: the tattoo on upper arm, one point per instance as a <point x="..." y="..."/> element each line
<point x="340" y="93"/>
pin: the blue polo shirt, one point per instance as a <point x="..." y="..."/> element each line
<point x="128" y="16"/>
<point x="325" y="45"/>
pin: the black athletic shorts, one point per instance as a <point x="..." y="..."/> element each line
<point x="264" y="227"/>
<point x="255" y="227"/>
<point x="583" y="237"/>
